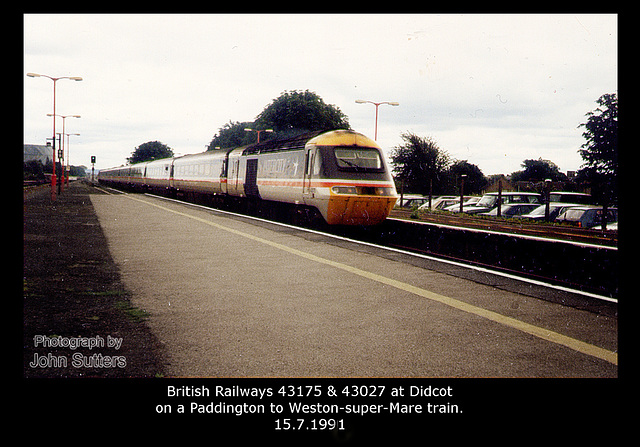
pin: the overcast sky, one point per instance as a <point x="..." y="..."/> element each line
<point x="491" y="89"/>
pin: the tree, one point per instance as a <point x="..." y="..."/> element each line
<point x="33" y="170"/>
<point x="474" y="183"/>
<point x="232" y="135"/>
<point x="292" y="113"/>
<point x="297" y="112"/>
<point x="78" y="171"/>
<point x="600" y="152"/>
<point x="419" y="162"/>
<point x="538" y="171"/>
<point x="152" y="150"/>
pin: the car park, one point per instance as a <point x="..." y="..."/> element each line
<point x="587" y="216"/>
<point x="489" y="201"/>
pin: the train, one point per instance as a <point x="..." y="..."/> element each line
<point x="338" y="176"/>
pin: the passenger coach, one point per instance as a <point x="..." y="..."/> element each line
<point x="341" y="175"/>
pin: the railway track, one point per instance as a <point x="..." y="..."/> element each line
<point x="514" y="226"/>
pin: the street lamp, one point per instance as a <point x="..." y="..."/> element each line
<point x="377" y="104"/>
<point x="258" y="131"/>
<point x="73" y="78"/>
<point x="64" y="117"/>
<point x="547" y="196"/>
<point x="462" y="177"/>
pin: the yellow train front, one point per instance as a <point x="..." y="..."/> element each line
<point x="341" y="173"/>
<point x="352" y="185"/>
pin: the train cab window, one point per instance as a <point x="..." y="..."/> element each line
<point x="358" y="158"/>
<point x="316" y="168"/>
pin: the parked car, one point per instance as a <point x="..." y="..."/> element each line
<point x="472" y="200"/>
<point x="456" y="206"/>
<point x="555" y="209"/>
<point x="570" y="197"/>
<point x="442" y="202"/>
<point x="413" y="200"/>
<point x="511" y="210"/>
<point x="587" y="216"/>
<point x="489" y="201"/>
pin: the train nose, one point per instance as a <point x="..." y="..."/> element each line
<point x="357" y="210"/>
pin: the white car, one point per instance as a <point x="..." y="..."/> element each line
<point x="570" y="197"/>
<point x="442" y="202"/>
<point x="412" y="200"/>
<point x="489" y="201"/>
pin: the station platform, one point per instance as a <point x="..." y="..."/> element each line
<point x="230" y="296"/>
<point x="72" y="291"/>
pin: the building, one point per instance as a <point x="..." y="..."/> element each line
<point x="37" y="152"/>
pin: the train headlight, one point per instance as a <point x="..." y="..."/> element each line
<point x="344" y="190"/>
<point x="384" y="191"/>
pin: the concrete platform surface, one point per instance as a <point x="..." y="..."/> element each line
<point x="228" y="297"/>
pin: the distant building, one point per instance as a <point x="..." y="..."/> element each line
<point x="506" y="185"/>
<point x="37" y="152"/>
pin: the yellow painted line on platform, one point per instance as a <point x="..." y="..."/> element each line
<point x="545" y="334"/>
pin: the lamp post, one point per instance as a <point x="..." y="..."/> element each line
<point x="62" y="180"/>
<point x="377" y="104"/>
<point x="462" y="177"/>
<point x="258" y="131"/>
<point x="73" y="78"/>
<point x="547" y="196"/>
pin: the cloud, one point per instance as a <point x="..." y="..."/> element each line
<point x="481" y="85"/>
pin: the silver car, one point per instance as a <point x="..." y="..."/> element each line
<point x="555" y="209"/>
<point x="512" y="210"/>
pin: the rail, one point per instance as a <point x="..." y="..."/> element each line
<point x="514" y="226"/>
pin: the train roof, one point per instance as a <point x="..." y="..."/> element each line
<point x="286" y="144"/>
<point x="343" y="137"/>
<point x="205" y="154"/>
<point x="338" y="137"/>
